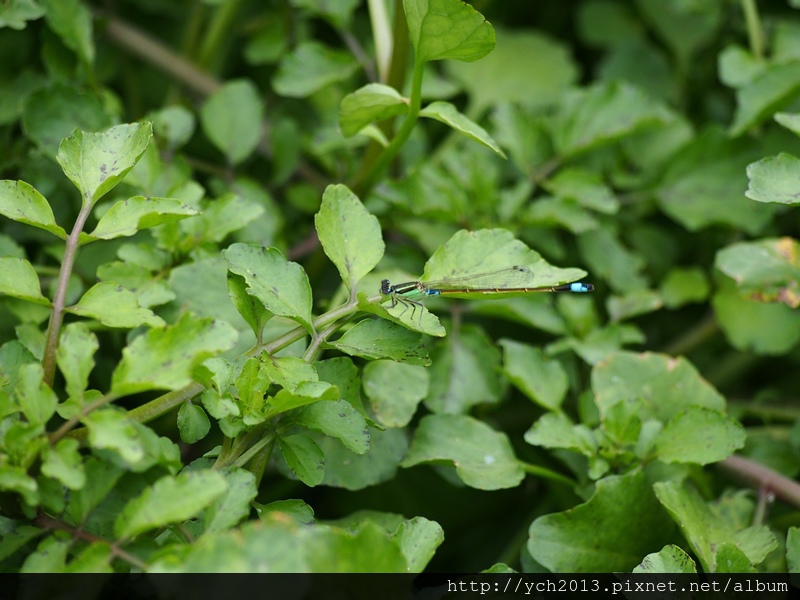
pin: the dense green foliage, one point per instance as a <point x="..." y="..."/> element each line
<point x="195" y="360"/>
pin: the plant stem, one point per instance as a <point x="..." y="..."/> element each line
<point x="546" y="473"/>
<point x="374" y="171"/>
<point x="760" y="476"/>
<point x="57" y="312"/>
<point x="754" y="30"/>
<point x="217" y="31"/>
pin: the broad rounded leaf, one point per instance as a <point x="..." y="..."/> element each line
<point x="19" y="280"/>
<point x="394" y="390"/>
<point x="447" y="29"/>
<point x="127" y="217"/>
<point x="114" y="306"/>
<point x="164" y="358"/>
<point x="382" y="339"/>
<point x="21" y="202"/>
<point x="483" y="457"/>
<point x="778" y="85"/>
<point x="97" y="162"/>
<point x="775" y="179"/>
<point x="470" y="253"/>
<point x="767" y="270"/>
<point x="282" y="286"/>
<point x="619" y="524"/>
<point x="700" y="436"/>
<point x="370" y="103"/>
<point x="664" y="385"/>
<point x="232" y="119"/>
<point x="543" y="380"/>
<point x="171" y="499"/>
<point x="310" y="67"/>
<point x="350" y="236"/>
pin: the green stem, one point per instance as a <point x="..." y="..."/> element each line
<point x="254" y="449"/>
<point x="365" y="185"/>
<point x="381" y="36"/>
<point x="546" y="473"/>
<point x="754" y="30"/>
<point x="218" y="31"/>
<point x="259" y="463"/>
<point x="59" y="301"/>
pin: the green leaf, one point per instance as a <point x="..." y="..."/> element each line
<point x="252" y="384"/>
<point x="448" y="114"/>
<point x="114" y="306"/>
<point x="232" y="119"/>
<point x="373" y="339"/>
<point x="351" y="471"/>
<point x="671" y="559"/>
<point x="72" y="21"/>
<point x="757" y="101"/>
<point x="705" y="530"/>
<point x="75" y="357"/>
<point x="774" y="179"/>
<point x="104" y="475"/>
<point x="95" y="558"/>
<point x="662" y="384"/>
<point x="171" y="499"/>
<point x="789" y="120"/>
<point x="350" y="236"/>
<point x="193" y="423"/>
<point x="612" y="530"/>
<point x="738" y="67"/>
<point x="288" y="371"/>
<point x="465" y="372"/>
<point x="555" y="430"/>
<point x="37" y="400"/>
<point x="18" y="279"/>
<point x="633" y="304"/>
<point x="472" y="252"/>
<point x="233" y="507"/>
<point x="483" y="457"/>
<point x="307" y="392"/>
<point x="604" y="114"/>
<point x="731" y="559"/>
<point x="699" y="435"/>
<point x="310" y="67"/>
<point x="21" y="202"/>
<point x="63" y="463"/>
<point x="97" y="162"/>
<point x="703" y="185"/>
<point x="16" y="14"/>
<point x="14" y="479"/>
<point x="394" y="390"/>
<point x="793" y="549"/>
<point x="282" y="286"/>
<point x="109" y="428"/>
<point x="250" y="307"/>
<point x="447" y="30"/>
<point x="417" y="318"/>
<point x="537" y="82"/>
<point x="50" y="556"/>
<point x="304" y="458"/>
<point x="14" y="534"/>
<point x="149" y="289"/>
<point x="368" y="549"/>
<point x="586" y="187"/>
<point x="370" y="103"/>
<point x="222" y="216"/>
<point x="684" y="286"/>
<point x="543" y="380"/>
<point x="164" y="358"/>
<point x="760" y="327"/>
<point x="337" y="419"/>
<point x="127" y="217"/>
<point x="767" y="270"/>
<point x="297" y="510"/>
<point x="53" y="112"/>
<point x="175" y="124"/>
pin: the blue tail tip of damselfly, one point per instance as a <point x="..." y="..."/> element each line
<point x="575" y="288"/>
